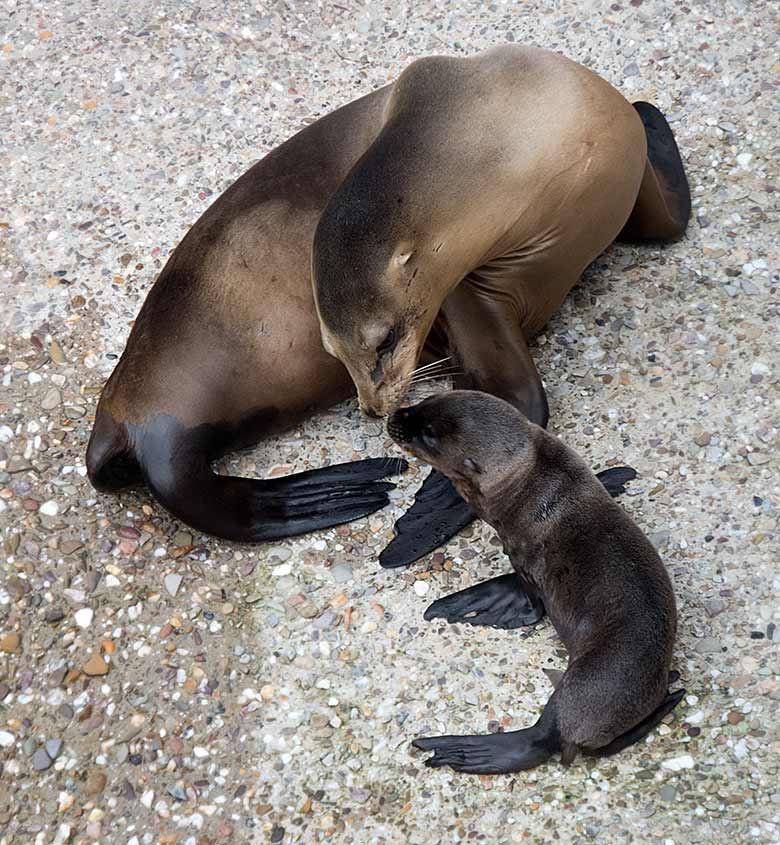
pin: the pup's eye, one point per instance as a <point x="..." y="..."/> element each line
<point x="387" y="344"/>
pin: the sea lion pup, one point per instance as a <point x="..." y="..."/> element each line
<point x="494" y="181"/>
<point x="577" y="555"/>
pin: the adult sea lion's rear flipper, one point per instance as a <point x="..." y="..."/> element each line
<point x="642" y="729"/>
<point x="252" y="510"/>
<point x="499" y="602"/>
<point x="663" y="205"/>
<point x="437" y="514"/>
<point x="175" y="463"/>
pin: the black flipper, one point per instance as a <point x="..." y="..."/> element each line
<point x="495" y="754"/>
<point x="499" y="602"/>
<point x="253" y="510"/>
<point x="614" y="479"/>
<point x="664" y="156"/>
<point x="437" y="514"/>
<point x="663" y="204"/>
<point x="642" y="729"/>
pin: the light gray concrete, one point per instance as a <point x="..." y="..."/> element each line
<point x="274" y="696"/>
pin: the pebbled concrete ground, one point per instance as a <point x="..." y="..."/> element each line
<point x="269" y="694"/>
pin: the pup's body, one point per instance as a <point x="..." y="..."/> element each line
<point x="577" y="555"/>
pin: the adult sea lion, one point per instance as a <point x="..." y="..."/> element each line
<point x="577" y="555"/>
<point x="227" y="349"/>
<point x="493" y="182"/>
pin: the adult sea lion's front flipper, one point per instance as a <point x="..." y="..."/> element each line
<point x="437" y="514"/>
<point x="663" y="206"/>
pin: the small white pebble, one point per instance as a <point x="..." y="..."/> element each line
<point x="421" y="587"/>
<point x="200" y="752"/>
<point x="84" y="617"/>
<point x="50" y="508"/>
<point x="677" y="764"/>
<point x="6" y="739"/>
<point x="173" y="582"/>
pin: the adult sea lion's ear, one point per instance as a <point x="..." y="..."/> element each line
<point x="472" y="467"/>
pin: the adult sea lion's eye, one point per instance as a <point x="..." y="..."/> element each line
<point x="387" y="344"/>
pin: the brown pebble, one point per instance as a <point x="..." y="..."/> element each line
<point x="735" y="717"/>
<point x="96" y="666"/>
<point x="10" y="643"/>
<point x="96" y="782"/>
<point x="108" y="646"/>
<point x="702" y="438"/>
<point x="306" y="807"/>
<point x="128" y="547"/>
<point x="68" y="547"/>
<point x="57" y="355"/>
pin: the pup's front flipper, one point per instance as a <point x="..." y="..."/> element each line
<point x="437" y="514"/>
<point x="615" y="479"/>
<point x="491" y="754"/>
<point x="499" y="602"/>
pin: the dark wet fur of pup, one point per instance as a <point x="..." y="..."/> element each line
<point x="577" y="556"/>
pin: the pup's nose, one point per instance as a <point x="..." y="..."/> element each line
<point x="396" y="423"/>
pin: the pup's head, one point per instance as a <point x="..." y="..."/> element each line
<point x="476" y="440"/>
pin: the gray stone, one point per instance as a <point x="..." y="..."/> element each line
<point x="341" y="573"/>
<point x="708" y="645"/>
<point x="41" y="760"/>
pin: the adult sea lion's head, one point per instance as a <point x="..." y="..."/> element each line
<point x="379" y="279"/>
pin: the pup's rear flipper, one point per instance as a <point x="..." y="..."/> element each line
<point x="663" y="205"/>
<point x="642" y="729"/>
<point x="499" y="602"/>
<point x="437" y="514"/>
<point x="492" y="754"/>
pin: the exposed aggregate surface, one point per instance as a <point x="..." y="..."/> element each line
<point x="157" y="686"/>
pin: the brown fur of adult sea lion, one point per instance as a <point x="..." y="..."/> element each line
<point x="494" y="181"/>
<point x="227" y="349"/>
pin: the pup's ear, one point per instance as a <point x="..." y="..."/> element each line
<point x="472" y="467"/>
